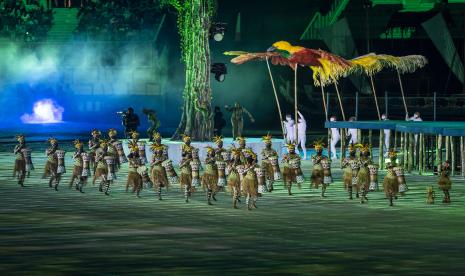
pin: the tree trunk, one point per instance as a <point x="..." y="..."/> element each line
<point x="193" y="24"/>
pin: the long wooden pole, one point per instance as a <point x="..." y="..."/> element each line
<point x="295" y="107"/>
<point x="276" y="98"/>
<point x="452" y="155"/>
<point x="324" y="100"/>
<point x="462" y="156"/>
<point x="420" y="154"/>
<point x="376" y="98"/>
<point x="340" y="101"/>
<point x="402" y="91"/>
<point x="439" y="153"/>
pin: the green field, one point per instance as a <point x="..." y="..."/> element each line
<point x="44" y="232"/>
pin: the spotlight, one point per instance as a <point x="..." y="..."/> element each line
<point x="220" y="71"/>
<point x="217" y="31"/>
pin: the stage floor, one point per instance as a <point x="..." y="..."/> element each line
<point x="45" y="232"/>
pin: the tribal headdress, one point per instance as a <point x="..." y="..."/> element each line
<point x="267" y="138"/>
<point x="52" y="140"/>
<point x="96" y="132"/>
<point x="103" y="143"/>
<point x="318" y="144"/>
<point x="217" y="139"/>
<point x="365" y="148"/>
<point x="77" y="144"/>
<point x="392" y="154"/>
<point x="112" y="132"/>
<point x="156" y="136"/>
<point x="20" y="137"/>
<point x="210" y="149"/>
<point x="135" y="135"/>
<point x="186" y="138"/>
<point x="290" y="146"/>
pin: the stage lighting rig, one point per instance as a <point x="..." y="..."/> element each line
<point x="217" y="31"/>
<point x="220" y="71"/>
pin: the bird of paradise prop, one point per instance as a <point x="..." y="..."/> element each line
<point x="327" y="67"/>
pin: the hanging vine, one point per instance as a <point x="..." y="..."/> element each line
<point x="193" y="21"/>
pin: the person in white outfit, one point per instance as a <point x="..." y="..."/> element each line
<point x="387" y="135"/>
<point x="353" y="133"/>
<point x="289" y="128"/>
<point x="301" y="132"/>
<point x="415" y="118"/>
<point x="335" y="137"/>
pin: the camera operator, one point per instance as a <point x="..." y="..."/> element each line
<point x="130" y="121"/>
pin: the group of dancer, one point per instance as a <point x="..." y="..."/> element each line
<point x="237" y="168"/>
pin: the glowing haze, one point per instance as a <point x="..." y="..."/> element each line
<point x="45" y="111"/>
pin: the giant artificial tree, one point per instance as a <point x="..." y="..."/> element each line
<point x="193" y="22"/>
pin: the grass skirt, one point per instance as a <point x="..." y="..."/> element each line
<point x="444" y="183"/>
<point x="363" y="178"/>
<point x="159" y="177"/>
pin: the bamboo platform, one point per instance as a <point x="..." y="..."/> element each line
<point x="44" y="232"/>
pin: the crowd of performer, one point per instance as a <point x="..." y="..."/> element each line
<point x="236" y="169"/>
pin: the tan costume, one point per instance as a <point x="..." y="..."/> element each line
<point x="235" y="167"/>
<point x="444" y="182"/>
<point x="23" y="162"/>
<point x="210" y="176"/>
<point x="186" y="172"/>
<point x="351" y="166"/>
<point x="292" y="171"/>
<point x="158" y="171"/>
<point x="79" y="157"/>
<point x="270" y="163"/>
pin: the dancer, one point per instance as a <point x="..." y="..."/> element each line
<point x="387" y="135"/>
<point x="185" y="167"/>
<point x="134" y="178"/>
<point x="158" y="171"/>
<point x="334" y="138"/>
<point x="78" y="167"/>
<point x="302" y="134"/>
<point x="363" y="184"/>
<point x="94" y="144"/>
<point x="353" y="133"/>
<point x="250" y="182"/>
<point x="242" y="147"/>
<point x="291" y="162"/>
<point x="220" y="152"/>
<point x="444" y="181"/>
<point x="22" y="153"/>
<point x="390" y="184"/>
<point x="269" y="159"/>
<point x="289" y="128"/>
<point x="210" y="176"/>
<point x="116" y="147"/>
<point x="234" y="180"/>
<point x="104" y="167"/>
<point x="320" y="164"/>
<point x="351" y="166"/>
<point x="55" y="164"/>
<point x="157" y="142"/>
<point x="237" y="118"/>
